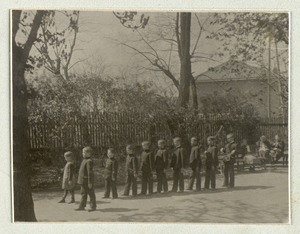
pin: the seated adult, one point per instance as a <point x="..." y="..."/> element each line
<point x="243" y="149"/>
<point x="263" y="150"/>
<point x="277" y="148"/>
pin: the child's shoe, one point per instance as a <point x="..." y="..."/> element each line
<point x="62" y="201"/>
<point x="72" y="201"/>
<point x="79" y="209"/>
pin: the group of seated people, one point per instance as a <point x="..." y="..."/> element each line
<point x="266" y="152"/>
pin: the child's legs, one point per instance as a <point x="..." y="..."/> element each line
<point x="192" y="178"/>
<point x="198" y="180"/>
<point x="150" y="182"/>
<point x="144" y="182"/>
<point x="92" y="195"/>
<point x="83" y="193"/>
<point x="213" y="177"/>
<point x="175" y="180"/>
<point x="127" y="185"/>
<point x="65" y="194"/>
<point x="134" y="185"/>
<point x="164" y="181"/>
<point x="72" y="194"/>
<point x="114" y="189"/>
<point x="181" y="181"/>
<point x="107" y="187"/>
<point x="207" y="177"/>
<point x="159" y="180"/>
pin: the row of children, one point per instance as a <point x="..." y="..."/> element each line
<point x="150" y="162"/>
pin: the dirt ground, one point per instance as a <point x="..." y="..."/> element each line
<point x="259" y="197"/>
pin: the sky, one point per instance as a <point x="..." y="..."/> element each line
<point x="101" y="34"/>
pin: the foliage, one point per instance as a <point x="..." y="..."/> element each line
<point x="244" y="34"/>
<point x="256" y="37"/>
<point x="233" y="111"/>
<point x="129" y="19"/>
<point x="54" y="45"/>
<point x="82" y="94"/>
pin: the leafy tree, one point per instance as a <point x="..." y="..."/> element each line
<point x="23" y="204"/>
<point x="55" y="44"/>
<point x="33" y="30"/>
<point x="252" y="35"/>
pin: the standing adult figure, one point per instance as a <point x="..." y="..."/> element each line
<point x="229" y="160"/>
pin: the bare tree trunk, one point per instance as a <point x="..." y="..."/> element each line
<point x="194" y="94"/>
<point x="185" y="59"/>
<point x="23" y="203"/>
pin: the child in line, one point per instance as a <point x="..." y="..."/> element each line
<point x="160" y="164"/>
<point x="110" y="174"/>
<point x="231" y="152"/>
<point x="147" y="166"/>
<point x="177" y="164"/>
<point x="131" y="171"/>
<point x="211" y="163"/>
<point x="195" y="164"/>
<point x="86" y="180"/>
<point x="69" y="180"/>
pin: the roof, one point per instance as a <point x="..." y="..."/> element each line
<point x="232" y="70"/>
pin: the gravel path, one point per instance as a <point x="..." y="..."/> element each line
<point x="260" y="197"/>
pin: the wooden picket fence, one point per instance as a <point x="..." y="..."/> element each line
<point x="103" y="130"/>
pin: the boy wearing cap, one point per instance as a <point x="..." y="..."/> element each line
<point x="131" y="171"/>
<point x="177" y="163"/>
<point x="195" y="164"/>
<point x="160" y="164"/>
<point x="69" y="180"/>
<point x="86" y="180"/>
<point x="147" y="166"/>
<point x="211" y="163"/>
<point x="110" y="174"/>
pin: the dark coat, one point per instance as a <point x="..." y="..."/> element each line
<point x="111" y="168"/>
<point x="212" y="156"/>
<point x="86" y="171"/>
<point x="147" y="161"/>
<point x="178" y="158"/>
<point x="228" y="150"/>
<point x="131" y="165"/>
<point x="278" y="146"/>
<point x="161" y="159"/>
<point x="195" y="158"/>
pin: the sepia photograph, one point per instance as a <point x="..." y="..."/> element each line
<point x="150" y="116"/>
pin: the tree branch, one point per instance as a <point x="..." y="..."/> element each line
<point x="72" y="47"/>
<point x="32" y="35"/>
